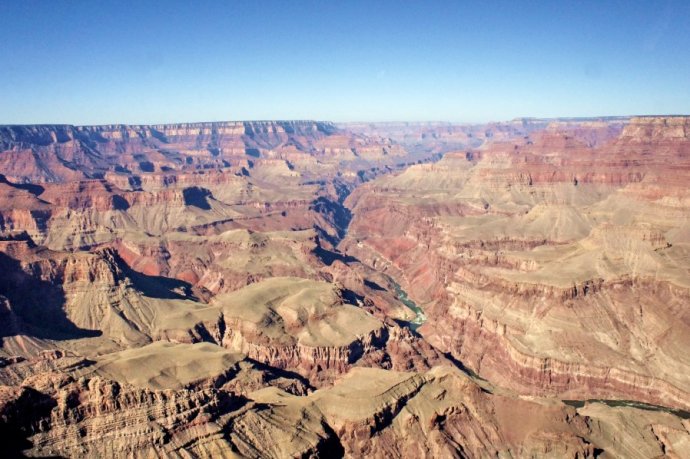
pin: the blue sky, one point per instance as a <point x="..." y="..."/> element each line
<point x="82" y="62"/>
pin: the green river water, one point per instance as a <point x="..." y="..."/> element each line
<point x="419" y="318"/>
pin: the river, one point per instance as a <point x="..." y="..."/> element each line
<point x="420" y="317"/>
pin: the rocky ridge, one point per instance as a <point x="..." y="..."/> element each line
<point x="234" y="289"/>
<point x="543" y="227"/>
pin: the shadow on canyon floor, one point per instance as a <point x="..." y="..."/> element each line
<point x="34" y="306"/>
<point x="161" y="287"/>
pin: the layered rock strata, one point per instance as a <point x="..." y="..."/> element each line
<point x="553" y="264"/>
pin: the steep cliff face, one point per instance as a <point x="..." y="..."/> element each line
<point x="100" y="417"/>
<point x="219" y="263"/>
<point x="298" y="325"/>
<point x="554" y="264"/>
<point x="57" y="296"/>
<point x="83" y="214"/>
<point x="248" y="289"/>
<point x="153" y="180"/>
<point x="62" y="153"/>
<point x="370" y="411"/>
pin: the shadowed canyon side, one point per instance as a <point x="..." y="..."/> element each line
<point x="306" y="289"/>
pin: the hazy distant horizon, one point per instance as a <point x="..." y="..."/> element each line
<point x="88" y="63"/>
<point x="412" y="122"/>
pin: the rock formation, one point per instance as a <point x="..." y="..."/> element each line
<point x="552" y="264"/>
<point x="304" y="289"/>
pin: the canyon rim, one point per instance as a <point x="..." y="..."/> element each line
<point x="302" y="288"/>
<point x="344" y="229"/>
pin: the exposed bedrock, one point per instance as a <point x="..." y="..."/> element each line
<point x="254" y="289"/>
<point x="553" y="265"/>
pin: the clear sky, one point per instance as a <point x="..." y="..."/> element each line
<point x="95" y="62"/>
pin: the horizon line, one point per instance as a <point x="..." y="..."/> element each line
<point x="305" y="120"/>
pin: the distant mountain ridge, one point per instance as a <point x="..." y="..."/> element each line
<point x="55" y="153"/>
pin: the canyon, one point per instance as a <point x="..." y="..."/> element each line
<point x="310" y="289"/>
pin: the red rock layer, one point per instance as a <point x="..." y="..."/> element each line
<point x="423" y="234"/>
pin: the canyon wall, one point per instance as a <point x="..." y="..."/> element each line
<point x="305" y="289"/>
<point x="554" y="264"/>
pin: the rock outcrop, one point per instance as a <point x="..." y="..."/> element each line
<point x="553" y="264"/>
<point x="301" y="289"/>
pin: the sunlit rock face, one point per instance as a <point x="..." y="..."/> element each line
<point x="555" y="264"/>
<point x="299" y="288"/>
<point x="62" y="153"/>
